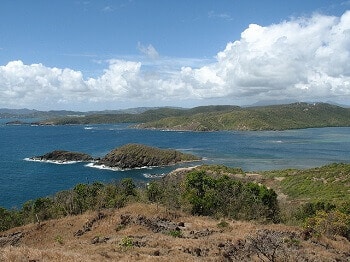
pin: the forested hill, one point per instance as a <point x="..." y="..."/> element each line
<point x="221" y="117"/>
<point x="142" y="117"/>
<point x="278" y="117"/>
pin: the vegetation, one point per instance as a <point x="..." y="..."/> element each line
<point x="136" y="155"/>
<point x="213" y="118"/>
<point x="329" y="223"/>
<point x="329" y="184"/>
<point x="146" y="116"/>
<point x="199" y="193"/>
<point x="281" y="117"/>
<point x="217" y="191"/>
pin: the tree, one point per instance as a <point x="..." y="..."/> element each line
<point x="128" y="187"/>
<point x="154" y="192"/>
<point x="200" y="192"/>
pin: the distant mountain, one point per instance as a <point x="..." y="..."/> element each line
<point x="32" y="113"/>
<point x="146" y="116"/>
<point x="23" y="111"/>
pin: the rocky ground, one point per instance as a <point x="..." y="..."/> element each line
<point x="142" y="232"/>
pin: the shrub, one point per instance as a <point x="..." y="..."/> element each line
<point x="309" y="209"/>
<point x="225" y="196"/>
<point x="126" y="242"/>
<point x="154" y="192"/>
<point x="175" y="233"/>
<point x="59" y="239"/>
<point x="223" y="224"/>
<point x="329" y="223"/>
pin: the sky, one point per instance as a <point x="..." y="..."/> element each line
<point x="98" y="54"/>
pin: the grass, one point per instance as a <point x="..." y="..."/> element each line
<point x="37" y="244"/>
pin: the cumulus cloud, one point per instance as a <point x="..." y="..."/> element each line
<point x="301" y="59"/>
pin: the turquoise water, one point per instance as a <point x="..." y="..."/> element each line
<point x="22" y="180"/>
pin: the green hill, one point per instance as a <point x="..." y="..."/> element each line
<point x="225" y="117"/>
<point x="279" y="117"/>
<point x="143" y="117"/>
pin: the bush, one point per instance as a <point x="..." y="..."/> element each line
<point x="309" y="209"/>
<point x="9" y="219"/>
<point x="329" y="223"/>
<point x="228" y="197"/>
<point x="154" y="192"/>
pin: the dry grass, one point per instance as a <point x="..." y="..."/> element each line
<point x="202" y="239"/>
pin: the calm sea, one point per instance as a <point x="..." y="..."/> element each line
<point x="22" y="180"/>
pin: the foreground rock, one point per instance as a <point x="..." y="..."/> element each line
<point x="64" y="156"/>
<point x="135" y="155"/>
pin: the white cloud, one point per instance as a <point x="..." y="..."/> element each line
<point x="302" y="59"/>
<point x="107" y="9"/>
<point x="149" y="50"/>
<point x="223" y="16"/>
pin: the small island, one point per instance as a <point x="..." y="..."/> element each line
<point x="137" y="155"/>
<point x="62" y="156"/>
<point x="124" y="157"/>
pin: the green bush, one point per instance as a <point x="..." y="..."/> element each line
<point x="310" y="209"/>
<point x="228" y="197"/>
<point x="329" y="223"/>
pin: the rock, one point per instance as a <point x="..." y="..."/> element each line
<point x="181" y="224"/>
<point x="11" y="239"/>
<point x="136" y="155"/>
<point x="64" y="156"/>
<point x="88" y="225"/>
<point x="156" y="253"/>
<point x="99" y="240"/>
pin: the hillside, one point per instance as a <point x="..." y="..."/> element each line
<point x="330" y="183"/>
<point x="146" y="232"/>
<point x="212" y="118"/>
<point x="204" y="213"/>
<point x="279" y="117"/>
<point x="141" y="117"/>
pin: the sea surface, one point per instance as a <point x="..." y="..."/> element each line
<point x="22" y="180"/>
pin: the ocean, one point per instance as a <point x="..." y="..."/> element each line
<point x="22" y="180"/>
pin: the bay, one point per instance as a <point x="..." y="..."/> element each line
<point x="22" y="180"/>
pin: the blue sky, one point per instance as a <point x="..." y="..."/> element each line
<point x="95" y="55"/>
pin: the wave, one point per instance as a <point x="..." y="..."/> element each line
<point x="104" y="167"/>
<point x="146" y="175"/>
<point x="57" y="162"/>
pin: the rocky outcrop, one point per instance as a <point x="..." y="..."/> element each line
<point x="64" y="156"/>
<point x="10" y="239"/>
<point x="136" y="155"/>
